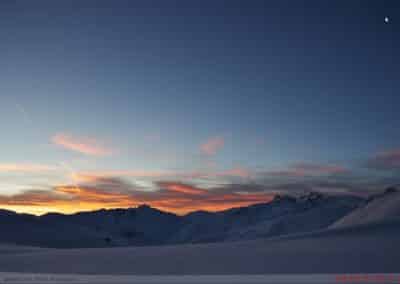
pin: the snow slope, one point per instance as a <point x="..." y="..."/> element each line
<point x="377" y="208"/>
<point x="282" y="216"/>
<point x="367" y="248"/>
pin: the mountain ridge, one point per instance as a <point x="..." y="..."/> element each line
<point x="144" y="225"/>
<point x="376" y="208"/>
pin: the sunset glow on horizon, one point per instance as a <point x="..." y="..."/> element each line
<point x="174" y="197"/>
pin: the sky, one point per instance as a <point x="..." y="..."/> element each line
<point x="195" y="105"/>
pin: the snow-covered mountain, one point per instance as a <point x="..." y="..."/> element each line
<point x="148" y="226"/>
<point x="376" y="208"/>
<point x="284" y="215"/>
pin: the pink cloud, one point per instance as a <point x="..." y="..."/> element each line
<point x="212" y="146"/>
<point x="386" y="160"/>
<point x="93" y="175"/>
<point x="153" y="137"/>
<point x="84" y="145"/>
<point x="25" y="168"/>
<point x="235" y="172"/>
<point x="260" y="142"/>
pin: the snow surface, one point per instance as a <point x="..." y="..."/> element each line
<point x="379" y="207"/>
<point x="371" y="248"/>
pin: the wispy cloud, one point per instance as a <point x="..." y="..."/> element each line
<point x="302" y="169"/>
<point x="87" y="176"/>
<point x="212" y="146"/>
<point x="162" y="174"/>
<point x="84" y="145"/>
<point x="386" y="160"/>
<point x="23" y="113"/>
<point x="310" y="168"/>
<point x="153" y="137"/>
<point x="235" y="172"/>
<point x="260" y="142"/>
<point x="25" y="167"/>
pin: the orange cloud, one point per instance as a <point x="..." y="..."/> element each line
<point x="25" y="168"/>
<point x="184" y="198"/>
<point x="174" y="197"/>
<point x="212" y="146"/>
<point x="87" y="146"/>
<point x="65" y="199"/>
<point x="181" y="188"/>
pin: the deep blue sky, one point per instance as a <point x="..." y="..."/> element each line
<point x="277" y="83"/>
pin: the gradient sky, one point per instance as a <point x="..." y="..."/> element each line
<point x="190" y="105"/>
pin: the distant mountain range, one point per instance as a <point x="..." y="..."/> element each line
<point x="148" y="226"/>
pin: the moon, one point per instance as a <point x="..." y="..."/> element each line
<point x="386" y="19"/>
